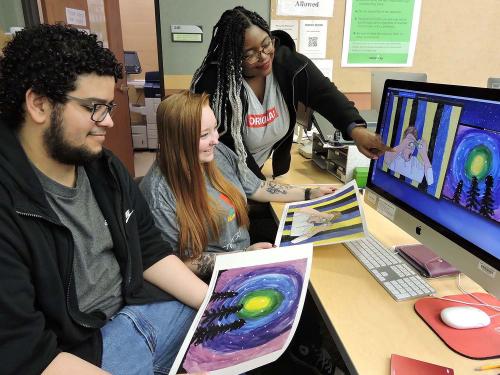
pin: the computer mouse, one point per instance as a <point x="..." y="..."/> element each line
<point x="464" y="317"/>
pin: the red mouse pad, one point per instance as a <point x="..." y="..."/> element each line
<point x="476" y="343"/>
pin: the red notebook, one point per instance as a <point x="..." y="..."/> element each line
<point x="408" y="366"/>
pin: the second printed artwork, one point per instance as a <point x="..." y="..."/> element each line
<point x="333" y="218"/>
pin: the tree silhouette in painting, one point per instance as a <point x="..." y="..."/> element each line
<point x="210" y="315"/>
<point x="223" y="295"/>
<point x="211" y="331"/>
<point x="488" y="202"/>
<point x="458" y="192"/>
<point x="472" y="201"/>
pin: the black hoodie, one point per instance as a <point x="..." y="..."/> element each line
<point x="39" y="315"/>
<point x="299" y="80"/>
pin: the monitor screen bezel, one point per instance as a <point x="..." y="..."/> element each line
<point x="440" y="89"/>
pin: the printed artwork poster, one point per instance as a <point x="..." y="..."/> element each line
<point x="473" y="176"/>
<point x="291" y="27"/>
<point x="250" y="313"/>
<point x="381" y="33"/>
<point x="305" y="8"/>
<point x="333" y="218"/>
<point x="312" y="42"/>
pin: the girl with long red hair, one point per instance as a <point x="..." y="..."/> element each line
<point x="197" y="188"/>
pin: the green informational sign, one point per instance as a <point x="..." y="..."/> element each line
<point x="380" y="32"/>
<point x="187" y="38"/>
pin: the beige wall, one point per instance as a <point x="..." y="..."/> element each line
<point x="457" y="43"/>
<point x="139" y="32"/>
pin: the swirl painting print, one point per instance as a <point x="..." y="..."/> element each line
<point x="249" y="317"/>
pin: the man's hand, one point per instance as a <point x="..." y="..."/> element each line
<point x="259" y="246"/>
<point x="67" y="363"/>
<point x="368" y="143"/>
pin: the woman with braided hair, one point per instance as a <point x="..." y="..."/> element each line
<point x="256" y="79"/>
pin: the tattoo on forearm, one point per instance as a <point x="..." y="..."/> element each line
<point x="205" y="264"/>
<point x="274" y="188"/>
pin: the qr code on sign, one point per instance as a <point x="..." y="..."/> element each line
<point x="313" y="41"/>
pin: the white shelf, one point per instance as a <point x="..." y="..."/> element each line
<point x="141" y="109"/>
<point x="137" y="83"/>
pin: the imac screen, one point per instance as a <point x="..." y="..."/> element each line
<point x="445" y="168"/>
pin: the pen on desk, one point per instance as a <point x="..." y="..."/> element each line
<point x="488" y="367"/>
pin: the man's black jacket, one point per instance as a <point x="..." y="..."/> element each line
<point x="39" y="315"/>
<point x="299" y="80"/>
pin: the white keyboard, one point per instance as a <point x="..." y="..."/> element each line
<point x="390" y="270"/>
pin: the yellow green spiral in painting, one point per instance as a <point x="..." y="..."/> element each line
<point x="260" y="303"/>
<point x="478" y="162"/>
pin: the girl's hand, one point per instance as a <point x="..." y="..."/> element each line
<point x="259" y="246"/>
<point x="322" y="190"/>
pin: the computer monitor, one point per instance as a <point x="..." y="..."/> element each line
<point x="442" y="183"/>
<point x="132" y="64"/>
<point x="378" y="79"/>
<point x="493" y="83"/>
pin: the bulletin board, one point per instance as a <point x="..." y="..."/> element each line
<point x="457" y="43"/>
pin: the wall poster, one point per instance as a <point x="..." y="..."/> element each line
<point x="380" y="33"/>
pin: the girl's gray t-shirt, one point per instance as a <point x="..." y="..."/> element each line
<point x="162" y="202"/>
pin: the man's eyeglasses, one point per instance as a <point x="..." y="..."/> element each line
<point x="267" y="47"/>
<point x="98" y="111"/>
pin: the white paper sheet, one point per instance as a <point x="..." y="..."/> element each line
<point x="312" y="41"/>
<point x="305" y="8"/>
<point x="326" y="67"/>
<point x="290" y="26"/>
<point x="75" y="17"/>
<point x="250" y="313"/>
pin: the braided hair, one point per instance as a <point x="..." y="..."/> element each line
<point x="226" y="49"/>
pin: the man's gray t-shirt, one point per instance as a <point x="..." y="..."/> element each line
<point x="97" y="273"/>
<point x="162" y="202"/>
<point x="266" y="123"/>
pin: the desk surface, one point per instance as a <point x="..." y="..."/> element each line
<point x="365" y="322"/>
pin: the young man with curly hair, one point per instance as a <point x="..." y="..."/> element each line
<point x="87" y="285"/>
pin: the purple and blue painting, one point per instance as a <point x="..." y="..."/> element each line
<point x="250" y="314"/>
<point x="472" y="180"/>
